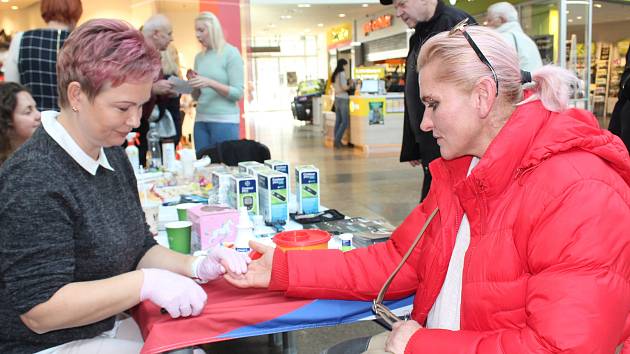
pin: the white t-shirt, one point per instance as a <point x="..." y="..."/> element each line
<point x="445" y="313"/>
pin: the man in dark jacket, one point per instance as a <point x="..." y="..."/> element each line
<point x="620" y="119"/>
<point x="427" y="17"/>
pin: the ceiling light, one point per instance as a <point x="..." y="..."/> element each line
<point x="485" y="23"/>
<point x="285" y="17"/>
<point x="599" y="6"/>
<point x="365" y="5"/>
<point x="320" y="25"/>
<point x="272" y="25"/>
<point x="342" y="15"/>
<point x="570" y="20"/>
<point x="577" y="2"/>
<point x="14" y="7"/>
<point x="579" y="17"/>
<point x="5" y="1"/>
<point x="567" y="12"/>
<point x="304" y="5"/>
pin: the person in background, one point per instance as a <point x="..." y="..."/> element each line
<point x="19" y="118"/>
<point x="427" y="17"/>
<point x="158" y="31"/>
<point x="33" y="54"/>
<point x="342" y="100"/>
<point x="511" y="260"/>
<point x="76" y="248"/>
<point x="218" y="82"/>
<point x="503" y="17"/>
<point x="171" y="67"/>
<point x="620" y="118"/>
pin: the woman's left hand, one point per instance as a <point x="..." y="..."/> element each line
<point x="400" y="336"/>
<point x="201" y="82"/>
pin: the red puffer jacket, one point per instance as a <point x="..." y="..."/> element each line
<point x="548" y="266"/>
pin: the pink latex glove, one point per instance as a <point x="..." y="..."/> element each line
<point x="179" y="295"/>
<point x="218" y="260"/>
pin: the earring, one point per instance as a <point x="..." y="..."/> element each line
<point x="75" y="109"/>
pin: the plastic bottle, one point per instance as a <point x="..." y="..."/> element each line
<point x="244" y="231"/>
<point x="154" y="152"/>
<point x="132" y="152"/>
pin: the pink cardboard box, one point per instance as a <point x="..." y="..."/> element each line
<point x="211" y="225"/>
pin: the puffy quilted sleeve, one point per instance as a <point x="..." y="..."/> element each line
<point x="358" y="274"/>
<point x="578" y="295"/>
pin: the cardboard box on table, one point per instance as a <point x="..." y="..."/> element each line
<point x="212" y="225"/>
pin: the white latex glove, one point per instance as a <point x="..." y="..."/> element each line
<point x="218" y="261"/>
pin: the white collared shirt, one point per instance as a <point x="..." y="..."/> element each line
<point x="63" y="138"/>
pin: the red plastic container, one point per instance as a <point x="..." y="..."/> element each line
<point x="312" y="239"/>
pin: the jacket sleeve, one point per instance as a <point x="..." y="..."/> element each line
<point x="578" y="257"/>
<point x="358" y="274"/>
<point x="409" y="150"/>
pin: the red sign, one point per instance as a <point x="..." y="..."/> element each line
<point x="378" y="23"/>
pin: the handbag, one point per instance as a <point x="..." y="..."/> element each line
<point x="164" y="120"/>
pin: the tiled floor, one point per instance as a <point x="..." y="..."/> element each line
<point x="356" y="185"/>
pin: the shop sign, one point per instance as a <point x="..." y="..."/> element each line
<point x="339" y="36"/>
<point x="369" y="72"/>
<point x="378" y="23"/>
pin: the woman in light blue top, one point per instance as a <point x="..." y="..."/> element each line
<point x="218" y="83"/>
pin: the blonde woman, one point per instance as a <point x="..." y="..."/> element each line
<point x="218" y="79"/>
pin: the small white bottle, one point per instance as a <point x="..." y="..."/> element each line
<point x="132" y="152"/>
<point x="244" y="231"/>
<point x="168" y="155"/>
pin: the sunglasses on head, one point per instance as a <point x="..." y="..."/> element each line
<point x="461" y="26"/>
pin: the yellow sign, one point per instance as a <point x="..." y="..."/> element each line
<point x="339" y="36"/>
<point x="369" y="72"/>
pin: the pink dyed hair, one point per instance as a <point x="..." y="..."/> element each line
<point x="105" y="51"/>
<point x="460" y="65"/>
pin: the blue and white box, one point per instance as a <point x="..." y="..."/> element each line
<point x="274" y="195"/>
<point x="307" y="189"/>
<point x="244" y="166"/>
<point x="243" y="193"/>
<point x="278" y="165"/>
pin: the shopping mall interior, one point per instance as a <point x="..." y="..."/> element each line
<point x="290" y="48"/>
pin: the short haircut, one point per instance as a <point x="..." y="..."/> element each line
<point x="105" y="51"/>
<point x="155" y="22"/>
<point x="505" y="10"/>
<point x="212" y="23"/>
<point x="64" y="11"/>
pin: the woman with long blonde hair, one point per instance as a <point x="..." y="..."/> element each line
<point x="218" y="81"/>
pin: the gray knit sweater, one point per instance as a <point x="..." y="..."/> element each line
<point x="59" y="224"/>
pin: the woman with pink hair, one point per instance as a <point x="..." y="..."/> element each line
<point x="522" y="245"/>
<point x="76" y="249"/>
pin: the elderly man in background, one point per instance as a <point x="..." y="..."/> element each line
<point x="503" y="17"/>
<point x="427" y="18"/>
<point x="158" y="31"/>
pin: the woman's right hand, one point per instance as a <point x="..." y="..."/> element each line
<point x="259" y="271"/>
<point x="179" y="295"/>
